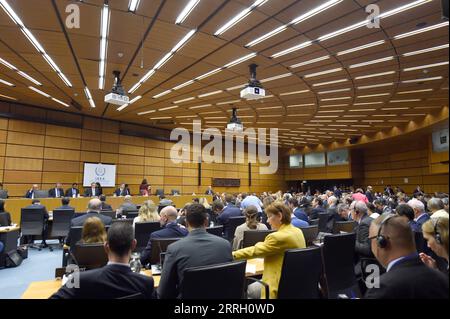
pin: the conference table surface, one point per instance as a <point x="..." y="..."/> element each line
<point x="14" y="206"/>
<point x="45" y="289"/>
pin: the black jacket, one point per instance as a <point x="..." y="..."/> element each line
<point x="72" y="191"/>
<point x="411" y="279"/>
<point x="79" y="221"/>
<point x="362" y="244"/>
<point x="110" y="282"/>
<point x="52" y="193"/>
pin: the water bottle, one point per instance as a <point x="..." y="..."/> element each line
<point x="135" y="263"/>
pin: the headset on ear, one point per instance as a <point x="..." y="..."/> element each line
<point x="382" y="240"/>
<point x="437" y="234"/>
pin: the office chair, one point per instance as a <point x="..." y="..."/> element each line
<point x="90" y="256"/>
<point x="310" y="233"/>
<point x="32" y="224"/>
<point x="345" y="226"/>
<point x="142" y="232"/>
<point x="3" y="194"/>
<point x="217" y="230"/>
<point x="203" y="282"/>
<point x="159" y="246"/>
<point x="233" y="223"/>
<point x="300" y="274"/>
<point x="251" y="237"/>
<point x="108" y="213"/>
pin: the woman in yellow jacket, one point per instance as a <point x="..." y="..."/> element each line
<point x="272" y="249"/>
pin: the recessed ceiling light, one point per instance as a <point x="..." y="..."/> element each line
<point x="322" y="58"/>
<point x="358" y="65"/>
<point x="323" y="72"/>
<point x="362" y="47"/>
<point x="440" y="47"/>
<point x="374" y="75"/>
<point x="420" y="67"/>
<point x="423" y="80"/>
<point x="415" y="32"/>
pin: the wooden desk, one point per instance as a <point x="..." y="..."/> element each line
<point x="14" y="206"/>
<point x="8" y="229"/>
<point x="44" y="289"/>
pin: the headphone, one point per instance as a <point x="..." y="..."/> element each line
<point x="437" y="234"/>
<point x="382" y="240"/>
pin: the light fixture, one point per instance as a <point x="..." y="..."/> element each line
<point x="186" y="11"/>
<point x="183" y="85"/>
<point x="39" y="92"/>
<point x="228" y="102"/>
<point x="60" y="102"/>
<point x="294" y="92"/>
<point x="439" y="47"/>
<point x="162" y="94"/>
<point x="163" y="61"/>
<point x="7" y="8"/>
<point x="240" y="60"/>
<point x="336" y="99"/>
<point x="322" y="58"/>
<point x="208" y="74"/>
<point x="372" y="95"/>
<point x="237" y="18"/>
<point x="276" y="77"/>
<point x="375" y="86"/>
<point x="430" y="28"/>
<point x="89" y="97"/>
<point x="6" y="83"/>
<point x="292" y="49"/>
<point x="104" y="29"/>
<point x="362" y="47"/>
<point x="330" y="82"/>
<point x="358" y="65"/>
<point x="404" y="101"/>
<point x="415" y="91"/>
<point x="210" y="93"/>
<point x="146" y="112"/>
<point x="420" y="67"/>
<point x="335" y="91"/>
<point x="184" y="100"/>
<point x="137" y="98"/>
<point x="323" y="72"/>
<point x="199" y="106"/>
<point x="8" y="97"/>
<point x="374" y="75"/>
<point x="133" y="5"/>
<point x="168" y="108"/>
<point x="423" y="80"/>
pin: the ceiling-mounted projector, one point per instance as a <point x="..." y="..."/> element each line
<point x="254" y="89"/>
<point x="117" y="95"/>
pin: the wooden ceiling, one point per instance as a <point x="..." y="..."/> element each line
<point x="309" y="109"/>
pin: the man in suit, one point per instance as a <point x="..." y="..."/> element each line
<point x="362" y="244"/>
<point x="73" y="191"/>
<point x="65" y="201"/>
<point x="317" y="208"/>
<point x="122" y="191"/>
<point x="209" y="191"/>
<point x="105" y="206"/>
<point x="420" y="215"/>
<point x="93" y="191"/>
<point x="127" y="204"/>
<point x="31" y="192"/>
<point x="115" y="280"/>
<point x="36" y="204"/>
<point x="56" y="192"/>
<point x="198" y="248"/>
<point x="369" y="194"/>
<point x="93" y="211"/>
<point x="297" y="211"/>
<point x="3" y="192"/>
<point x="406" y="277"/>
<point x="170" y="229"/>
<point x="224" y="214"/>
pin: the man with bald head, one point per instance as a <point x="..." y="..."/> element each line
<point x="420" y="215"/>
<point x="406" y="277"/>
<point x="170" y="229"/>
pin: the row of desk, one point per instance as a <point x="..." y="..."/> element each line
<point x="44" y="289"/>
<point x="14" y="206"/>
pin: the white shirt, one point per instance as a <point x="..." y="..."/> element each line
<point x="116" y="263"/>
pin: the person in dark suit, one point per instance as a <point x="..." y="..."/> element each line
<point x="105" y="206"/>
<point x="5" y="217"/>
<point x="93" y="211"/>
<point x="115" y="280"/>
<point x="420" y="215"/>
<point x="171" y="229"/>
<point x="406" y="211"/>
<point x="224" y="214"/>
<point x="3" y="192"/>
<point x="360" y="216"/>
<point x="73" y="191"/>
<point x="56" y="192"/>
<point x="209" y="191"/>
<point x="389" y="191"/>
<point x="31" y="193"/>
<point x="93" y="191"/>
<point x="199" y="248"/>
<point x="298" y="212"/>
<point x="317" y="208"/>
<point x="123" y="190"/>
<point x="406" y="277"/>
<point x="65" y="201"/>
<point x="369" y="194"/>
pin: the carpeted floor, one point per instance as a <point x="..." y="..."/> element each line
<point x="39" y="266"/>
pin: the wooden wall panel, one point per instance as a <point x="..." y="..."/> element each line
<point x="23" y="164"/>
<point x="24" y="151"/>
<point x="21" y="138"/>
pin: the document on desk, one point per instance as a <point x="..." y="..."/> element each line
<point x="251" y="267"/>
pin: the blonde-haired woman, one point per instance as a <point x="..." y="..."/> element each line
<point x="93" y="231"/>
<point x="147" y="213"/>
<point x="251" y="223"/>
<point x="435" y="232"/>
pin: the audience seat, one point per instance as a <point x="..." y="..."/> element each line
<point x="251" y="237"/>
<point x="221" y="281"/>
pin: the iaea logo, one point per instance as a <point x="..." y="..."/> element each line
<point x="100" y="171"/>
